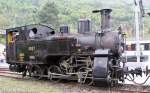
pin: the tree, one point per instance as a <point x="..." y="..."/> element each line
<point x="49" y="14"/>
<point x="4" y="22"/>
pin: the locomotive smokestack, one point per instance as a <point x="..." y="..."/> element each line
<point x="105" y="18"/>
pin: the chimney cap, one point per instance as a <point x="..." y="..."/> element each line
<point x="109" y="10"/>
<point x="101" y="10"/>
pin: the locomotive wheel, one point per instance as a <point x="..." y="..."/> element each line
<point x="45" y="71"/>
<point x="27" y="71"/>
<point x="103" y="83"/>
<point x="84" y="74"/>
<point x="37" y="72"/>
<point x="55" y="70"/>
<point x="114" y="83"/>
<point x="64" y="63"/>
<point x="24" y="73"/>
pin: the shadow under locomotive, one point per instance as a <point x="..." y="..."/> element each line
<point x="88" y="57"/>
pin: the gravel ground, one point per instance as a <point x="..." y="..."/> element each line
<point x="12" y="85"/>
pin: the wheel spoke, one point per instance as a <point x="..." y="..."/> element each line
<point x="37" y="72"/>
<point x="52" y="73"/>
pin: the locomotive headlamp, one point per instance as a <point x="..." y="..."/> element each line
<point x="78" y="45"/>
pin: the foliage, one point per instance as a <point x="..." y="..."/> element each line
<point x="15" y="13"/>
<point x="2" y="40"/>
<point x="49" y="14"/>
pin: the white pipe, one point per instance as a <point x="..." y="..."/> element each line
<point x="137" y="29"/>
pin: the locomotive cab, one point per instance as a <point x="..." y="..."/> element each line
<point x="18" y="40"/>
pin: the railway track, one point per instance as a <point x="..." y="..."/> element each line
<point x="130" y="91"/>
<point x="7" y="73"/>
<point x="129" y="88"/>
<point x="119" y="89"/>
<point x="4" y="69"/>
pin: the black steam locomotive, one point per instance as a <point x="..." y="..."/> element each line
<point x="88" y="57"/>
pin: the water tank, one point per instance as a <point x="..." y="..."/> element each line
<point x="84" y="25"/>
<point x="64" y="29"/>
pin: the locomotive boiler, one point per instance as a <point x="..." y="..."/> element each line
<point x="87" y="57"/>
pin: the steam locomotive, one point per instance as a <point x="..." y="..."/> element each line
<point x="87" y="57"/>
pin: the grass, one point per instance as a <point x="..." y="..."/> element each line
<point x="10" y="85"/>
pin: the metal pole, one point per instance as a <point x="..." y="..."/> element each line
<point x="137" y="29"/>
<point x="142" y="27"/>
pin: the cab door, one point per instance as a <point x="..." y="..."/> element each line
<point x="11" y="46"/>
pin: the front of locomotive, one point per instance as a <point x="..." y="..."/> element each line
<point x="109" y="45"/>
